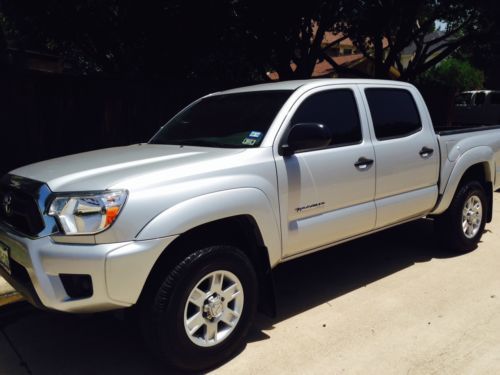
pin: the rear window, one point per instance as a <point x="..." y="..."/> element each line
<point x="394" y="113"/>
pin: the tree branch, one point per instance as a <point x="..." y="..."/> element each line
<point x="339" y="68"/>
<point x="450" y="48"/>
<point x="450" y="32"/>
<point x="399" y="65"/>
<point x="308" y="62"/>
<point x="331" y="44"/>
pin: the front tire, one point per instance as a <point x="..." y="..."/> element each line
<point x="203" y="309"/>
<point x="460" y="228"/>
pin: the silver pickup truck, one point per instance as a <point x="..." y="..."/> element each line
<point x="187" y="228"/>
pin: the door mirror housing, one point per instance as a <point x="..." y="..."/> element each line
<point x="306" y="136"/>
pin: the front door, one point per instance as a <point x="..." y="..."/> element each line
<point x="327" y="195"/>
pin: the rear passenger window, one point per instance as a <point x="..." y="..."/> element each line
<point x="335" y="109"/>
<point x="480" y="98"/>
<point x="394" y="113"/>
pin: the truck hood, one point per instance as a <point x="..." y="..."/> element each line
<point x="112" y="167"/>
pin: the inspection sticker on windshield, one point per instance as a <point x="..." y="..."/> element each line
<point x="249" y="141"/>
<point x="254" y="134"/>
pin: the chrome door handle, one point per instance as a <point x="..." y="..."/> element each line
<point x="363" y="163"/>
<point x="426" y="152"/>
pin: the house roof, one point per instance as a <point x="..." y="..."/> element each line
<point x="323" y="68"/>
<point x="411" y="49"/>
<point x="331" y="37"/>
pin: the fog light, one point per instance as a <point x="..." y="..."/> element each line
<point x="77" y="286"/>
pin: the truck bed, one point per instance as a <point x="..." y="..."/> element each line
<point x="455" y="141"/>
<point x="452" y="130"/>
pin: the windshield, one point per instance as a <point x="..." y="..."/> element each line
<point x="230" y="120"/>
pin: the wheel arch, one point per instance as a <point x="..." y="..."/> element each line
<point x="481" y="172"/>
<point x="241" y="231"/>
<point x="477" y="165"/>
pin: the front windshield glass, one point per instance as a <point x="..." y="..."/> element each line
<point x="230" y="120"/>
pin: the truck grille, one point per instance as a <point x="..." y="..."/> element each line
<point x="20" y="210"/>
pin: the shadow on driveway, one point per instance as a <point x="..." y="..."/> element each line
<point x="56" y="343"/>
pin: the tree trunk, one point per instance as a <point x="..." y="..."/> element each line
<point x="380" y="69"/>
<point x="285" y="71"/>
<point x="3" y="48"/>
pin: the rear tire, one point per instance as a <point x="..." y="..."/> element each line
<point x="203" y="309"/>
<point x="461" y="226"/>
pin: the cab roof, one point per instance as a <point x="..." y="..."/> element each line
<point x="295" y="84"/>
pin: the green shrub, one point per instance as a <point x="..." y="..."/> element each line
<point x="455" y="74"/>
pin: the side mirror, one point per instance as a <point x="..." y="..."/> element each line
<point x="306" y="136"/>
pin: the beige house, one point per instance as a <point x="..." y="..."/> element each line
<point x="345" y="53"/>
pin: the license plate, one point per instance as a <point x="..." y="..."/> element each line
<point x="4" y="257"/>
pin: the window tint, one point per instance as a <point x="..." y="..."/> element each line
<point x="463" y="99"/>
<point x="479" y="98"/>
<point x="495" y="98"/>
<point x="394" y="113"/>
<point x="227" y="120"/>
<point x="335" y="109"/>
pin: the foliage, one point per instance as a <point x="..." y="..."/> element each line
<point x="487" y="58"/>
<point x="238" y="41"/>
<point x="280" y="32"/>
<point x="293" y="32"/>
<point x="402" y="24"/>
<point x="155" y="38"/>
<point x="455" y="74"/>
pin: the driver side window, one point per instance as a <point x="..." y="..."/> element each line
<point x="335" y="109"/>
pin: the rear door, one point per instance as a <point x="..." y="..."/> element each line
<point x="406" y="152"/>
<point x="325" y="196"/>
<point x="494" y="107"/>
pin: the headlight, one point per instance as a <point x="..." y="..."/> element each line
<point x="87" y="213"/>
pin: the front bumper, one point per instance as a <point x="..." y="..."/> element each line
<point x="118" y="270"/>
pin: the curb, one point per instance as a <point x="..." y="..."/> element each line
<point x="7" y="299"/>
<point x="7" y="294"/>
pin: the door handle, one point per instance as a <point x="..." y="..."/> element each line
<point x="363" y="163"/>
<point x="426" y="152"/>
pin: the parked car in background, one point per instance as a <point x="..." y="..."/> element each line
<point x="480" y="107"/>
